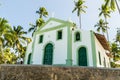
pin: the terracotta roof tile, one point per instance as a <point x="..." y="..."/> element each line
<point x="103" y="41"/>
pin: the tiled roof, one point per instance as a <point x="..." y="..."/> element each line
<point x="103" y="41"/>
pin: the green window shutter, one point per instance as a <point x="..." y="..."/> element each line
<point x="77" y="36"/>
<point x="59" y="34"/>
<point x="99" y="58"/>
<point x="41" y="39"/>
<point x="29" y="57"/>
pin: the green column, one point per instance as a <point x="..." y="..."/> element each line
<point x="69" y="47"/>
<point x="33" y="47"/>
<point x="93" y="48"/>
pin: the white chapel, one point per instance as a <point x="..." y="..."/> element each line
<point x="58" y="42"/>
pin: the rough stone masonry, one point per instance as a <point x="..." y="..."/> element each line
<point x="44" y="72"/>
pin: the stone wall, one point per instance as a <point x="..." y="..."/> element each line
<point x="37" y="72"/>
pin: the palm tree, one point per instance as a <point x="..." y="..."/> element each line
<point x="118" y="36"/>
<point x="42" y="13"/>
<point x="105" y="11"/>
<point x="118" y="39"/>
<point x="5" y="35"/>
<point x="39" y="23"/>
<point x="19" y="39"/>
<point x="80" y="8"/>
<point x="101" y="25"/>
<point x="114" y="49"/>
<point x="112" y="4"/>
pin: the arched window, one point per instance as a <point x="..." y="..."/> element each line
<point x="29" y="57"/>
<point x="77" y="36"/>
<point x="82" y="57"/>
<point x="48" y="54"/>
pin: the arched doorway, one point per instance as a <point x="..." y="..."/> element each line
<point x="82" y="57"/>
<point x="48" y="54"/>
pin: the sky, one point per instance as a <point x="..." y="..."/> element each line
<point x="23" y="12"/>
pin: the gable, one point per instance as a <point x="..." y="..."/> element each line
<point x="53" y="23"/>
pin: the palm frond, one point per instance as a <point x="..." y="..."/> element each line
<point x="112" y="5"/>
<point x="31" y="29"/>
<point x="74" y="9"/>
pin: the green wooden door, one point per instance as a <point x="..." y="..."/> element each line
<point x="29" y="57"/>
<point x="48" y="54"/>
<point x="82" y="57"/>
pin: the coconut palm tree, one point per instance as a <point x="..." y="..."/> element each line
<point x="19" y="39"/>
<point x="114" y="50"/>
<point x="105" y="11"/>
<point x="101" y="26"/>
<point x="5" y="35"/>
<point x="42" y="13"/>
<point x="112" y="4"/>
<point x="118" y="37"/>
<point x="39" y="22"/>
<point x="79" y="7"/>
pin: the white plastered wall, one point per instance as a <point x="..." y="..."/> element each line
<point x="28" y="51"/>
<point x="99" y="48"/>
<point x="60" y="47"/>
<point x="84" y="42"/>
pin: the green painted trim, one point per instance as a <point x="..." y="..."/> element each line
<point x="88" y="63"/>
<point x="57" y="20"/>
<point x="69" y="47"/>
<point x="93" y="49"/>
<point x="33" y="46"/>
<point x="75" y="36"/>
<point x="51" y="29"/>
<point x="61" y="21"/>
<point x="25" y="58"/>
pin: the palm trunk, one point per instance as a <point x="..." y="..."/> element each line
<point x="107" y="35"/>
<point x="107" y="30"/>
<point x="80" y="21"/>
<point x="117" y="6"/>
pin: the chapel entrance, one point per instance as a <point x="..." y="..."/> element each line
<point x="48" y="54"/>
<point x="82" y="57"/>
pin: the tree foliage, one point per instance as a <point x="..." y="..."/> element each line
<point x="79" y="7"/>
<point x="101" y="26"/>
<point x="12" y="42"/>
<point x="115" y="50"/>
<point x="42" y="12"/>
<point x="112" y="4"/>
